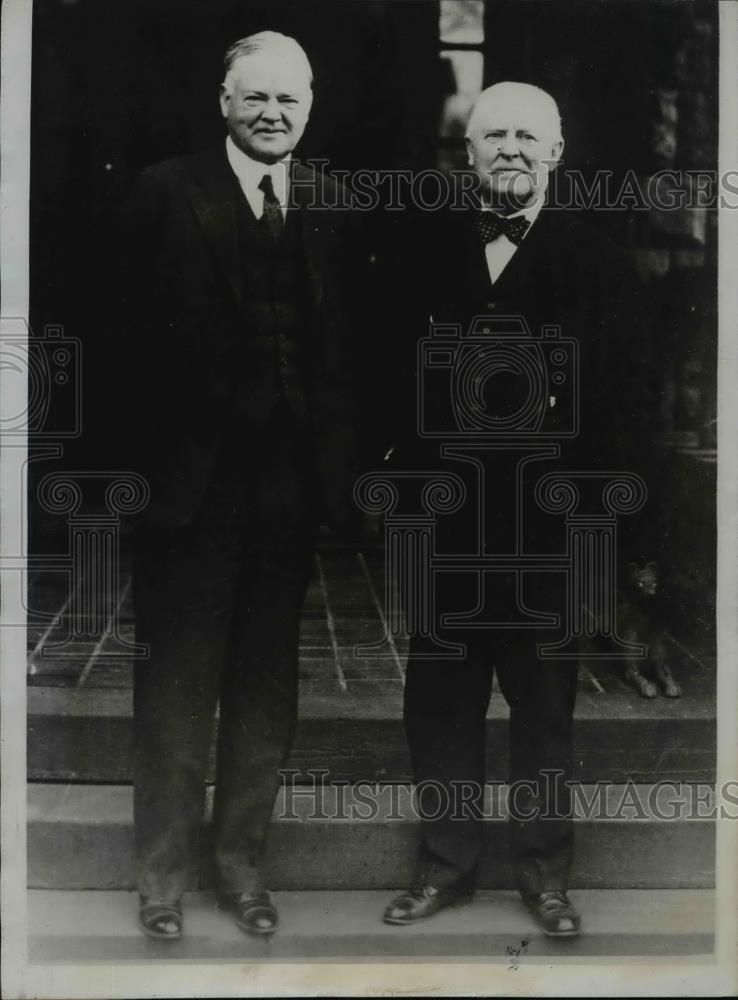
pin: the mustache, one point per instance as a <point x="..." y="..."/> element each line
<point x="499" y="163"/>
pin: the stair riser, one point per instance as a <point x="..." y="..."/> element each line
<point x="341" y="854"/>
<point x="98" y="749"/>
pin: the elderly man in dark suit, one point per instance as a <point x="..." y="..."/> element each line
<point x="235" y="286"/>
<point x="509" y="256"/>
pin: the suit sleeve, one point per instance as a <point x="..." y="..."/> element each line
<point x="399" y="308"/>
<point x="630" y="406"/>
<point x="134" y="308"/>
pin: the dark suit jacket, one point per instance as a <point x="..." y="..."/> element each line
<point x="181" y="314"/>
<point x="562" y="274"/>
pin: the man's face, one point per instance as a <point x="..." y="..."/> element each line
<point x="514" y="144"/>
<point x="266" y="105"/>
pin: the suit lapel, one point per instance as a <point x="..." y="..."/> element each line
<point x="303" y="196"/>
<point x="458" y="264"/>
<point x="211" y="188"/>
<point x="475" y="262"/>
<point x="524" y="268"/>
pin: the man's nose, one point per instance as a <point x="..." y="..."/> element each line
<point x="272" y="111"/>
<point x="509" y="146"/>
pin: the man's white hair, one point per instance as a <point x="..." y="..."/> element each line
<point x="267" y="41"/>
<point x="498" y="91"/>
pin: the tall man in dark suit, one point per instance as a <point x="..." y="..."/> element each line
<point x="243" y="426"/>
<point x="510" y="256"/>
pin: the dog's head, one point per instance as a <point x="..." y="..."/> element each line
<point x="644" y="578"/>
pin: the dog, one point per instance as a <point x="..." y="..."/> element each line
<point x="638" y="618"/>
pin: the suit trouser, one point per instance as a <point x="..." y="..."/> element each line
<point x="446" y="705"/>
<point x="219" y="604"/>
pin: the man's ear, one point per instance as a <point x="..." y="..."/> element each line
<point x="556" y="150"/>
<point x="469" y="151"/>
<point x="224" y="98"/>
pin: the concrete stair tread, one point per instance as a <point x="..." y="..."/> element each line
<point x="693" y="664"/>
<point x="327" y="701"/>
<point x="348" y="592"/>
<point x="80" y="803"/>
<point x="100" y="926"/>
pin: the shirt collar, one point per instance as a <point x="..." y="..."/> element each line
<point x="530" y="214"/>
<point x="250" y="172"/>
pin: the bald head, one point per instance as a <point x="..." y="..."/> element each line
<point x="513" y="140"/>
<point x="519" y="99"/>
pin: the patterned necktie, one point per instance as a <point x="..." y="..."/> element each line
<point x="490" y="226"/>
<point x="272" y="220"/>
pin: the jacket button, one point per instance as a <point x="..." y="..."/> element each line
<point x="491" y="305"/>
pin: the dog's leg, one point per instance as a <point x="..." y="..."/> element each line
<point x="634" y="677"/>
<point x="632" y="672"/>
<point x="663" y="673"/>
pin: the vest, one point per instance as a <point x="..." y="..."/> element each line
<point x="274" y="354"/>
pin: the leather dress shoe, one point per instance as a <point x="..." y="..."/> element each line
<point x="253" y="912"/>
<point x="554" y="913"/>
<point x="422" y="902"/>
<point x="160" y="918"/>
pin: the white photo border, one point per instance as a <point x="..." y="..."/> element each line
<point x="626" y="976"/>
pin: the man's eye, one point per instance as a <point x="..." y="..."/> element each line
<point x="289" y="100"/>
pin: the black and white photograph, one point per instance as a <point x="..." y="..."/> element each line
<point x="368" y="491"/>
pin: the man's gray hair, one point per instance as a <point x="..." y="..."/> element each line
<point x="268" y="41"/>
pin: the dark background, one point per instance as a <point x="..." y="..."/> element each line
<point x="119" y="85"/>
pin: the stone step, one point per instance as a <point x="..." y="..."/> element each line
<point x="343" y="837"/>
<point x="84" y="734"/>
<point x="101" y="927"/>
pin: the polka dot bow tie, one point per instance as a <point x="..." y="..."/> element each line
<point x="490" y="226"/>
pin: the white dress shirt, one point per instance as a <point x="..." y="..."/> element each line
<point x="250" y="173"/>
<point x="499" y="252"/>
